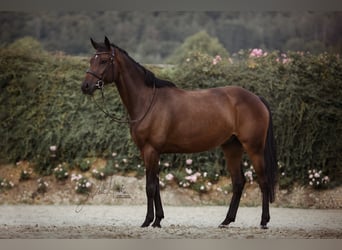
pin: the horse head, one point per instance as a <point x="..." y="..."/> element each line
<point x="102" y="68"/>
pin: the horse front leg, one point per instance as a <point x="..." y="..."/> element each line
<point x="158" y="206"/>
<point x="151" y="158"/>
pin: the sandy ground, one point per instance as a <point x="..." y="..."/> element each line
<point x="189" y="222"/>
<point x="109" y="213"/>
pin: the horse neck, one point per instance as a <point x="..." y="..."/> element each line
<point x="134" y="94"/>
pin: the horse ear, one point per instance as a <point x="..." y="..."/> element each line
<point x="107" y="42"/>
<point x="95" y="45"/>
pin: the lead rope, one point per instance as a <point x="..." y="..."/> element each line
<point x="107" y="114"/>
<point x="121" y="120"/>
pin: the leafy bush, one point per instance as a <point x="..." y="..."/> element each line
<point x="5" y="184"/>
<point x="99" y="174"/>
<point x="82" y="184"/>
<point x="83" y="164"/>
<point x="42" y="186"/>
<point x="42" y="106"/>
<point x="25" y="174"/>
<point x="200" y="42"/>
<point x="61" y="172"/>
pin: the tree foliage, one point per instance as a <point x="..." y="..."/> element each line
<point x="200" y="42"/>
<point x="151" y="37"/>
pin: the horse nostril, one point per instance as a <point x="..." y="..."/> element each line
<point x="85" y="87"/>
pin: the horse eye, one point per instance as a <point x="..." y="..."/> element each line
<point x="103" y="62"/>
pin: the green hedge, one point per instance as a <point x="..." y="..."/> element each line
<point x="42" y="105"/>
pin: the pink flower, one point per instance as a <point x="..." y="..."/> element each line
<point x="193" y="178"/>
<point x="325" y="179"/>
<point x="286" y="60"/>
<point x="188" y="161"/>
<point x="169" y="177"/>
<point x="256" y="53"/>
<point x="217" y="59"/>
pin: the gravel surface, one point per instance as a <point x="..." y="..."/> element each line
<point x="115" y="222"/>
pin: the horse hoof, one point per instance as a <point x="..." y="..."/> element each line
<point x="223" y="226"/>
<point x="263" y="226"/>
<point x="156" y="225"/>
<point x="146" y="224"/>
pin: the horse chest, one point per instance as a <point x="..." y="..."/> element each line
<point x="139" y="136"/>
<point x="143" y="136"/>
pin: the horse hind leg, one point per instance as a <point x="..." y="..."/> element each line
<point x="233" y="152"/>
<point x="257" y="158"/>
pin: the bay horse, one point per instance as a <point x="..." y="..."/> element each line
<point x="166" y="119"/>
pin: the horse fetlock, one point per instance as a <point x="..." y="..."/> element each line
<point x="156" y="223"/>
<point x="147" y="222"/>
<point x="226" y="222"/>
<point x="264" y="221"/>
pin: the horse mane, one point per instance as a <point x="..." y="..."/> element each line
<point x="150" y="79"/>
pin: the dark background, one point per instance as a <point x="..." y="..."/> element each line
<point x="151" y="37"/>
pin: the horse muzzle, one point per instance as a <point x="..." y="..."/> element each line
<point x="88" y="88"/>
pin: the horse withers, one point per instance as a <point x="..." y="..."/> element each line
<point x="166" y="119"/>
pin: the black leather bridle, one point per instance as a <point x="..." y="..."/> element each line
<point x="100" y="85"/>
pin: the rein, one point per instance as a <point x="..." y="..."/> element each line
<point x="122" y="120"/>
<point x="100" y="85"/>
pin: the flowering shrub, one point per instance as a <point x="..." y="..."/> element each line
<point x="83" y="185"/>
<point x="53" y="151"/>
<point x="283" y="59"/>
<point x="5" y="184"/>
<point x="169" y="177"/>
<point x="217" y="59"/>
<point x="25" y="174"/>
<point x="84" y="164"/>
<point x="188" y="177"/>
<point x="98" y="174"/>
<point x="316" y="179"/>
<point x="42" y="186"/>
<point x="257" y="53"/>
<point x="61" y="172"/>
<point x="200" y="187"/>
<point x="249" y="173"/>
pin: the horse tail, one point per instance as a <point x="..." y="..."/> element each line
<point x="270" y="155"/>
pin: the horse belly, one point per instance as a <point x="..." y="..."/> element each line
<point x="193" y="121"/>
<point x="197" y="137"/>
